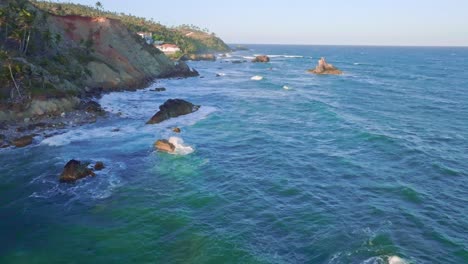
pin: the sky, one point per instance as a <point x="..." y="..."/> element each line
<point x="323" y="22"/>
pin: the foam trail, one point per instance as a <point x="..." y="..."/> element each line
<point x="180" y="147"/>
<point x="85" y="134"/>
<point x="285" y="56"/>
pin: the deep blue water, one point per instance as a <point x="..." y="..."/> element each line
<point x="357" y="168"/>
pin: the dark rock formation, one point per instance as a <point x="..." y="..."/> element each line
<point x="325" y="68"/>
<point x="99" y="166"/>
<point x="164" y="145"/>
<point x="181" y="69"/>
<point x="159" y="89"/>
<point x="199" y="57"/>
<point x="22" y="141"/>
<point x="92" y="107"/>
<point x="75" y="170"/>
<point x="176" y="130"/>
<point x="261" y="58"/>
<point x="173" y="108"/>
<point x="3" y="143"/>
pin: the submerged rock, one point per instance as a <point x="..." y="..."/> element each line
<point x="261" y="58"/>
<point x="325" y="68"/>
<point x="22" y="141"/>
<point x="164" y="145"/>
<point x="159" y="89"/>
<point x="75" y="170"/>
<point x="173" y="108"/>
<point x="176" y="130"/>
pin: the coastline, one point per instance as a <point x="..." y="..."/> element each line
<point x="58" y="122"/>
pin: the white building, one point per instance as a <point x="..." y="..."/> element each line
<point x="168" y="48"/>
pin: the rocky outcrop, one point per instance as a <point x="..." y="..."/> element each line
<point x="3" y="142"/>
<point x="92" y="107"/>
<point x="325" y="68"/>
<point x="22" y="141"/>
<point x="173" y="108"/>
<point x="261" y="58"/>
<point x="164" y="145"/>
<point x="99" y="166"/>
<point x="75" y="170"/>
<point x="199" y="57"/>
<point x="181" y="70"/>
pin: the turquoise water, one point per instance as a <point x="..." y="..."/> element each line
<point x="356" y="168"/>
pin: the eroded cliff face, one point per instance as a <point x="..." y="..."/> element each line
<point x="118" y="58"/>
<point x="87" y="57"/>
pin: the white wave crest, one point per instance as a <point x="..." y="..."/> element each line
<point x="385" y="260"/>
<point x="180" y="147"/>
<point x="285" y="56"/>
<point x="256" y="78"/>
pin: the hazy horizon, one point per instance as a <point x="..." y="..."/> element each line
<point x="356" y="23"/>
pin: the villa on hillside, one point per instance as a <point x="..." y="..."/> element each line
<point x="168" y="48"/>
<point x="147" y="36"/>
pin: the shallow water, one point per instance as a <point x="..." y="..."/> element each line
<point x="367" y="167"/>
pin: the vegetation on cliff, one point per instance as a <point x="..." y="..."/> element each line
<point x="44" y="56"/>
<point x="190" y="38"/>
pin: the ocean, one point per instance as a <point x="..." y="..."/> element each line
<point x="366" y="167"/>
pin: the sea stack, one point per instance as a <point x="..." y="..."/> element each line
<point x="75" y="170"/>
<point x="173" y="108"/>
<point x="325" y="68"/>
<point x="261" y="58"/>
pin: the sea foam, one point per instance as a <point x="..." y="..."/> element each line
<point x="180" y="147"/>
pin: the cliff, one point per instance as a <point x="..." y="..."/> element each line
<point x="191" y="39"/>
<point x="49" y="63"/>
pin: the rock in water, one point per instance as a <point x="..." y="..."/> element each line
<point x="176" y="130"/>
<point x="261" y="58"/>
<point x="75" y="170"/>
<point x="164" y="145"/>
<point x="99" y="166"/>
<point x="324" y="68"/>
<point x="22" y="141"/>
<point x="173" y="108"/>
<point x="159" y="89"/>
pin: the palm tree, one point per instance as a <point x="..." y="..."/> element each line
<point x="99" y="6"/>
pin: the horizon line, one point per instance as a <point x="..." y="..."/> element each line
<point x="358" y="45"/>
